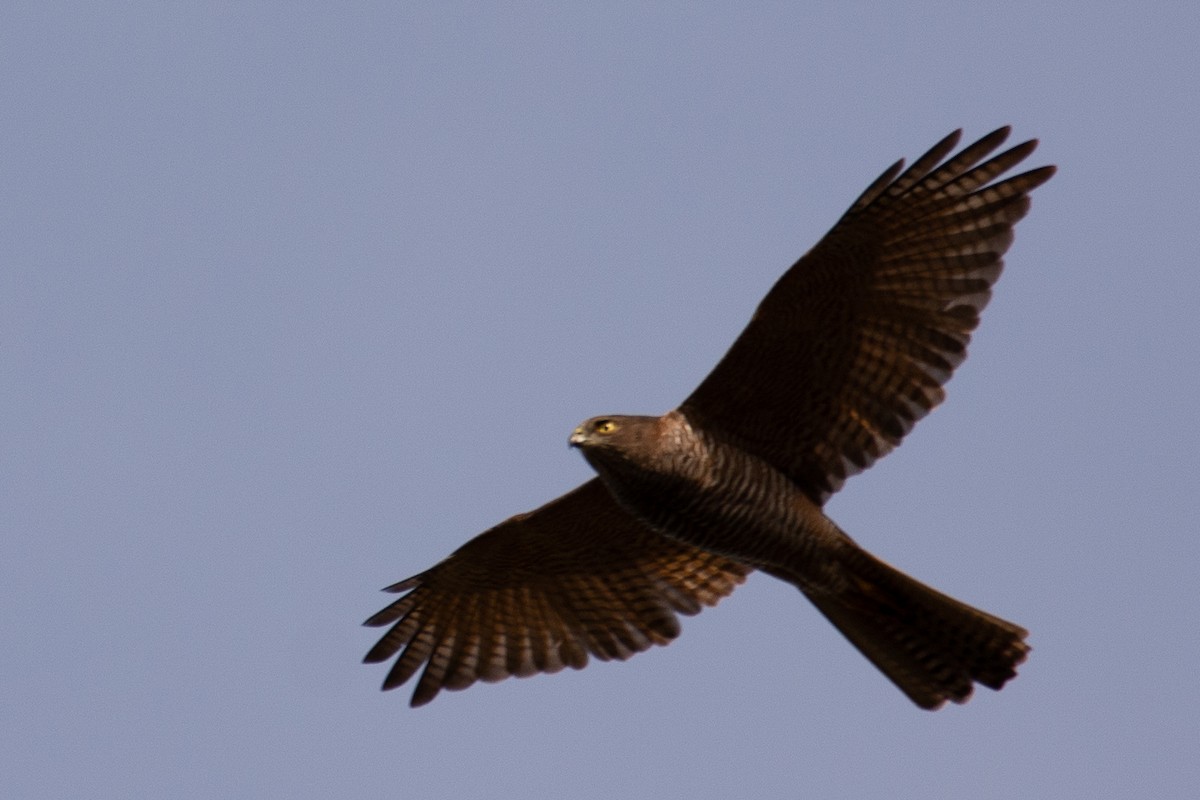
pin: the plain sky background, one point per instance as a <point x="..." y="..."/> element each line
<point x="295" y="299"/>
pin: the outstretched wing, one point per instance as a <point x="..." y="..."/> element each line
<point x="854" y="343"/>
<point x="541" y="591"/>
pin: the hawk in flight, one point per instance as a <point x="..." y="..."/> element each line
<point x="845" y="353"/>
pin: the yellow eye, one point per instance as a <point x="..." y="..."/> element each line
<point x="604" y="426"/>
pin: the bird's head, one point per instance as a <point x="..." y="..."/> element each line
<point x="637" y="457"/>
<point x="612" y="437"/>
<point x="597" y="432"/>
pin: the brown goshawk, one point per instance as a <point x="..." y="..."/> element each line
<point x="845" y="353"/>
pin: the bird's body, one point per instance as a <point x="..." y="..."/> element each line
<point x="673" y="477"/>
<point x="845" y="353"/>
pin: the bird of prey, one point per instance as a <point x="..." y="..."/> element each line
<point x="844" y="354"/>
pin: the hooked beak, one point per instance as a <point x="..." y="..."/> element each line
<point x="578" y="438"/>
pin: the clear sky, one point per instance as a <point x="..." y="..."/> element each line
<point x="294" y="300"/>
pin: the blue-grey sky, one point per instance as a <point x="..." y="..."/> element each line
<point x="297" y="299"/>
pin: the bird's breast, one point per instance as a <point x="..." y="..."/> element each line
<point x="723" y="500"/>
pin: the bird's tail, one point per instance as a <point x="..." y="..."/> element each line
<point x="931" y="646"/>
